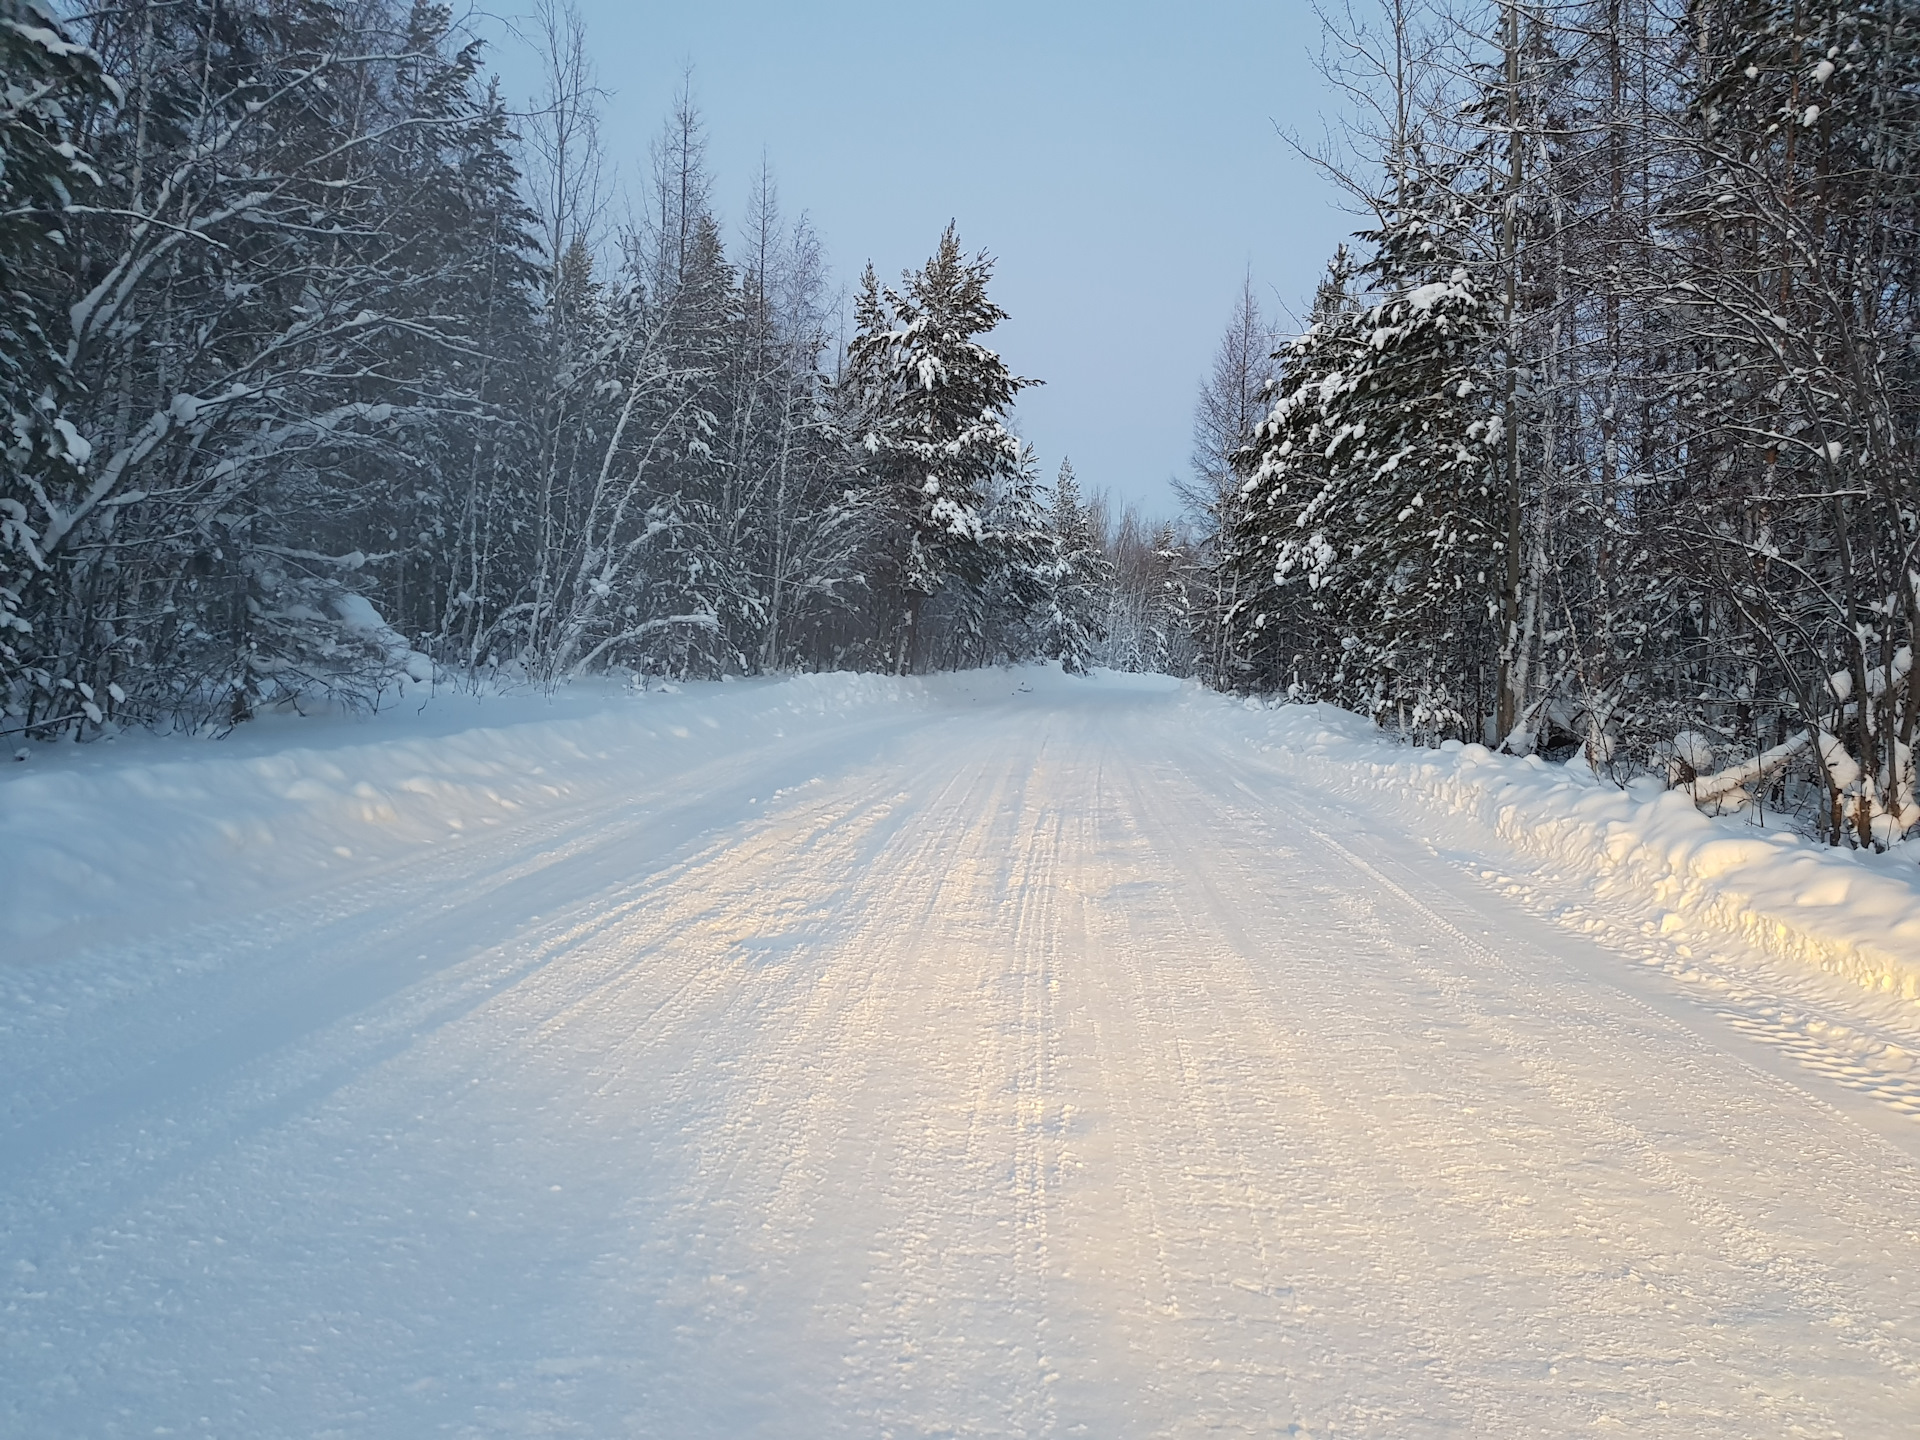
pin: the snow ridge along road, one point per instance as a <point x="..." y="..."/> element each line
<point x="997" y="1055"/>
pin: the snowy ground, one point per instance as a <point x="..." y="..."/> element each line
<point x="1004" y="1055"/>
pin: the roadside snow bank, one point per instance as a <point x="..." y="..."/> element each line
<point x="101" y="837"/>
<point x="1850" y="913"/>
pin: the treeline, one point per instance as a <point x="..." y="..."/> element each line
<point x="1602" y="442"/>
<point x="321" y="369"/>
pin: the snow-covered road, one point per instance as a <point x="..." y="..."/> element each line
<point x="1013" y="1064"/>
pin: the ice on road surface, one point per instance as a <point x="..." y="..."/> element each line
<point x="1034" y="1059"/>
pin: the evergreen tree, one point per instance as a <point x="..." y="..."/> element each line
<point x="934" y="405"/>
<point x="1370" y="487"/>
<point x="1022" y="575"/>
<point x="1082" y="579"/>
<point x="46" y="79"/>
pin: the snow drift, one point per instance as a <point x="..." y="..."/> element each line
<point x="98" y="840"/>
<point x="1848" y="912"/>
<point x="95" y="839"/>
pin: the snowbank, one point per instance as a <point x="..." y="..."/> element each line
<point x="99" y="837"/>
<point x="1854" y="914"/>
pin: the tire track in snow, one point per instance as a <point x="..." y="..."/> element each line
<point x="770" y="1188"/>
<point x="1865" y="1044"/>
<point x="785" y="1020"/>
<point x="1816" y="1292"/>
<point x="1026" y="1077"/>
<point x="241" y="1000"/>
<point x="958" y="1327"/>
<point x="512" y="1001"/>
<point x="1328" y="1337"/>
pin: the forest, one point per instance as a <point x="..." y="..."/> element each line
<point x="1599" y="444"/>
<point x="324" y="366"/>
<point x="315" y="376"/>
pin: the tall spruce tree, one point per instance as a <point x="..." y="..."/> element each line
<point x="934" y="404"/>
<point x="1370" y="486"/>
<point x="1082" y="579"/>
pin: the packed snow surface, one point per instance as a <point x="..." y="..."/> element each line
<point x="1004" y="1054"/>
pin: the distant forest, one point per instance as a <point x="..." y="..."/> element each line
<point x="324" y="366"/>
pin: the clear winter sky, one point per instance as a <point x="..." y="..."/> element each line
<point x="1118" y="159"/>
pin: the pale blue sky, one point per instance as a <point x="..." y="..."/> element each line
<point x="1119" y="160"/>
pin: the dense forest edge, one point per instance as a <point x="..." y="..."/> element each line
<point x="326" y="371"/>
